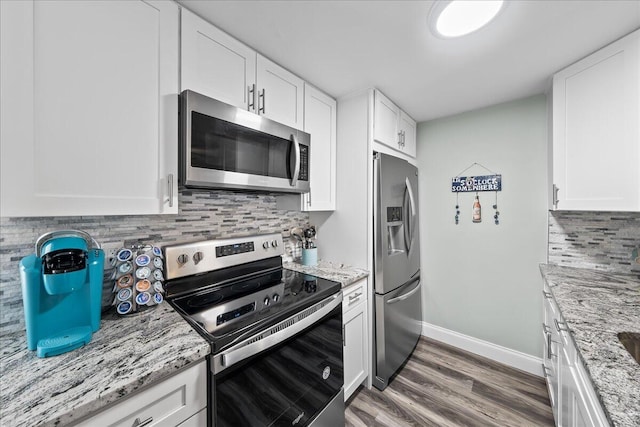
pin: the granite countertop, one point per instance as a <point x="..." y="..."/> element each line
<point x="124" y="355"/>
<point x="597" y="306"/>
<point x="337" y="272"/>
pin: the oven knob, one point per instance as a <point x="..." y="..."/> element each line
<point x="266" y="301"/>
<point x="275" y="297"/>
<point x="265" y="245"/>
<point x="197" y="257"/>
<point x="274" y="243"/>
<point x="182" y="259"/>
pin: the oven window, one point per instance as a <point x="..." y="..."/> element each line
<point x="221" y="145"/>
<point x="287" y="385"/>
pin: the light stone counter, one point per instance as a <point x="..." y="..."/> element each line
<point x="337" y="272"/>
<point x="596" y="307"/>
<point x="124" y="355"/>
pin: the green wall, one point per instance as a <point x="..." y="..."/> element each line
<point x="480" y="279"/>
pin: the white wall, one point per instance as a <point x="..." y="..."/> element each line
<point x="482" y="280"/>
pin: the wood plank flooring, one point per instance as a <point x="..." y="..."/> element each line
<point x="444" y="386"/>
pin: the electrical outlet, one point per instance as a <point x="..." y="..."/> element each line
<point x="110" y="251"/>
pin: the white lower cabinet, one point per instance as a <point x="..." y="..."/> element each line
<point x="178" y="400"/>
<point x="354" y="335"/>
<point x="573" y="398"/>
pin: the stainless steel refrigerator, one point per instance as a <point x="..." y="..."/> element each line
<point x="398" y="313"/>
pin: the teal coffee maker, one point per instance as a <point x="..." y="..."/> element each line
<point x="62" y="291"/>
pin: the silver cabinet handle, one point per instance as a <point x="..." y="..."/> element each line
<point x="170" y="185"/>
<point x="555" y="196"/>
<point x="549" y="353"/>
<point x="547" y="294"/>
<point x="344" y="336"/>
<point x="295" y="167"/>
<point x="561" y="328"/>
<point x="400" y="139"/>
<point x="251" y="95"/>
<point x="355" y="297"/>
<point x="261" y="96"/>
<point x="138" y="423"/>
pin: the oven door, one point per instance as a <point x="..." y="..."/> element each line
<point x="289" y="375"/>
<point x="223" y="146"/>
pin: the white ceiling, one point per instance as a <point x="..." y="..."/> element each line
<point x="344" y="46"/>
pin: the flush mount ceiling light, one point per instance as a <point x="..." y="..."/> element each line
<point x="457" y="18"/>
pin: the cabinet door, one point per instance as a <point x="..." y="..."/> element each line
<point x="215" y="64"/>
<point x="355" y="348"/>
<point x="596" y="130"/>
<point x="280" y="94"/>
<point x="320" y="123"/>
<point x="407" y="127"/>
<point x="385" y="122"/>
<point x="164" y="404"/>
<point x="89" y="108"/>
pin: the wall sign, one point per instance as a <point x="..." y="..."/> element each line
<point x="475" y="184"/>
<point x="468" y="184"/>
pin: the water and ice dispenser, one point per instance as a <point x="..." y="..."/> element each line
<point x="62" y="291"/>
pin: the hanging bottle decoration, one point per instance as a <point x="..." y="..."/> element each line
<point x="476" y="184"/>
<point x="476" y="213"/>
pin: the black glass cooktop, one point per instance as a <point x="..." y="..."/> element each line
<point x="230" y="310"/>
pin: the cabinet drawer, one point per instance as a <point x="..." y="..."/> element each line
<point x="167" y="403"/>
<point x="353" y="295"/>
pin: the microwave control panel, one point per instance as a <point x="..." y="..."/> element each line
<point x="303" y="175"/>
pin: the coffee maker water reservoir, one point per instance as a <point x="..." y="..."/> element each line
<point x="62" y="291"/>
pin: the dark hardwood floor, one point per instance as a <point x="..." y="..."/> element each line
<point x="444" y="386"/>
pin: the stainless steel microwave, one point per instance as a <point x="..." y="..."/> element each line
<point x="222" y="146"/>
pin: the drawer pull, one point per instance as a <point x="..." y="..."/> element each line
<point x="561" y="328"/>
<point x="546" y="294"/>
<point x="355" y="296"/>
<point x="138" y="423"/>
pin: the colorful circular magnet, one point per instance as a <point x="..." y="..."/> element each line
<point x="143" y="273"/>
<point x="125" y="281"/>
<point x="143" y="298"/>
<point x="124" y="307"/>
<point x="143" y="260"/>
<point x="143" y="285"/>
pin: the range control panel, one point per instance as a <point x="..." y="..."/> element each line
<point x="209" y="255"/>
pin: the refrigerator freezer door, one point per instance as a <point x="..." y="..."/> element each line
<point x="397" y="329"/>
<point x="396" y="236"/>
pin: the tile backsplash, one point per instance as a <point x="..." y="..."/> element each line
<point x="202" y="215"/>
<point x="596" y="240"/>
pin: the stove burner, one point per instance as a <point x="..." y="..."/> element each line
<point x="204" y="300"/>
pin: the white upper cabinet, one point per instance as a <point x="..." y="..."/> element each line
<point x="394" y="132"/>
<point x="89" y="108"/>
<point x="320" y="123"/>
<point x="279" y="94"/>
<point x="385" y="123"/>
<point x="219" y="66"/>
<point x="215" y="64"/>
<point x="407" y="130"/>
<point x="596" y="130"/>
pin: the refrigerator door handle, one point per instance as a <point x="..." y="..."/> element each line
<point x="406" y="221"/>
<point x="405" y="296"/>
<point x="409" y="221"/>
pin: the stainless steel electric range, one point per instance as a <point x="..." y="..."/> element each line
<point x="275" y="334"/>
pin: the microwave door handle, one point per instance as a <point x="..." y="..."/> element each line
<point x="294" y="161"/>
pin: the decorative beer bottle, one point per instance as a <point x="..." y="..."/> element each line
<point x="477" y="210"/>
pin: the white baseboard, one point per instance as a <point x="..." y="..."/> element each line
<point x="504" y="355"/>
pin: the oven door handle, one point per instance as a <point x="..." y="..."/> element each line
<point x="242" y="351"/>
